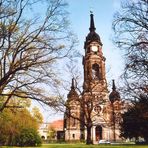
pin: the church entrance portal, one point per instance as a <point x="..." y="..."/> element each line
<point x="98" y="133"/>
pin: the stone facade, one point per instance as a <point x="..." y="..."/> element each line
<point x="44" y="131"/>
<point x="94" y="106"/>
<point x="52" y="131"/>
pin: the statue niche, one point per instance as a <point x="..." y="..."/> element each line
<point x="95" y="72"/>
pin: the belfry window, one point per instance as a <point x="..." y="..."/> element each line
<point x="95" y="71"/>
<point x="73" y="136"/>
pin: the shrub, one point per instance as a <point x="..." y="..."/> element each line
<point x="28" y="137"/>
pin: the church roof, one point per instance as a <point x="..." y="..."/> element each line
<point x="92" y="35"/>
<point x="114" y="95"/>
<point x="72" y="93"/>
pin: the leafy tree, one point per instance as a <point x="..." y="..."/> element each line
<point x="51" y="133"/>
<point x="130" y="26"/>
<point x="14" y="120"/>
<point x="31" y="41"/>
<point x="135" y="120"/>
<point x="28" y="137"/>
<point x="37" y="115"/>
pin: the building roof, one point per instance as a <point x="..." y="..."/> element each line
<point x="92" y="35"/>
<point x="114" y="95"/>
<point x="57" y="124"/>
<point x="72" y="93"/>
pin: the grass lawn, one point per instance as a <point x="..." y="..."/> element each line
<point x="84" y="146"/>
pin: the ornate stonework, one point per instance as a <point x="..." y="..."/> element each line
<point x="104" y="109"/>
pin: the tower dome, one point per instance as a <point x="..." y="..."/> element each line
<point x="92" y="35"/>
<point x="72" y="93"/>
<point x="114" y="95"/>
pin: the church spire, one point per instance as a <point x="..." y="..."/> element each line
<point x="114" y="95"/>
<point x="114" y="87"/>
<point x="72" y="93"/>
<point x="72" y="84"/>
<point x="92" y="24"/>
<point x="92" y="35"/>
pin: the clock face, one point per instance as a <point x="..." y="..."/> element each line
<point x="94" y="48"/>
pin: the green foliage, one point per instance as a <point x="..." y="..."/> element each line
<point x="135" y="120"/>
<point x="14" y="120"/>
<point x="51" y="133"/>
<point x="88" y="146"/>
<point x="28" y="137"/>
<point x="37" y="115"/>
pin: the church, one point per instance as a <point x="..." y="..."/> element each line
<point x="94" y="114"/>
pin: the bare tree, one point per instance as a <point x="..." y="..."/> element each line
<point x="34" y="34"/>
<point x="85" y="107"/>
<point x="131" y="35"/>
<point x="130" y="26"/>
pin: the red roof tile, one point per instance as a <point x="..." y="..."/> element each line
<point x="57" y="125"/>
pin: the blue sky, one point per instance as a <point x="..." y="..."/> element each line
<point x="79" y="14"/>
<point x="103" y="11"/>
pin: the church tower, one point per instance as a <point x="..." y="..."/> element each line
<point x="93" y="114"/>
<point x="95" y="84"/>
<point x="72" y="114"/>
<point x="94" y="63"/>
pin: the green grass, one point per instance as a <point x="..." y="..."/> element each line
<point x="84" y="146"/>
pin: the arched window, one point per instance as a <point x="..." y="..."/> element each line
<point x="95" y="71"/>
<point x="73" y="136"/>
<point x="43" y="137"/>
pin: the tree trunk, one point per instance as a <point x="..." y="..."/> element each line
<point x="114" y="123"/>
<point x="89" y="140"/>
<point x="114" y="130"/>
<point x="10" y="139"/>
